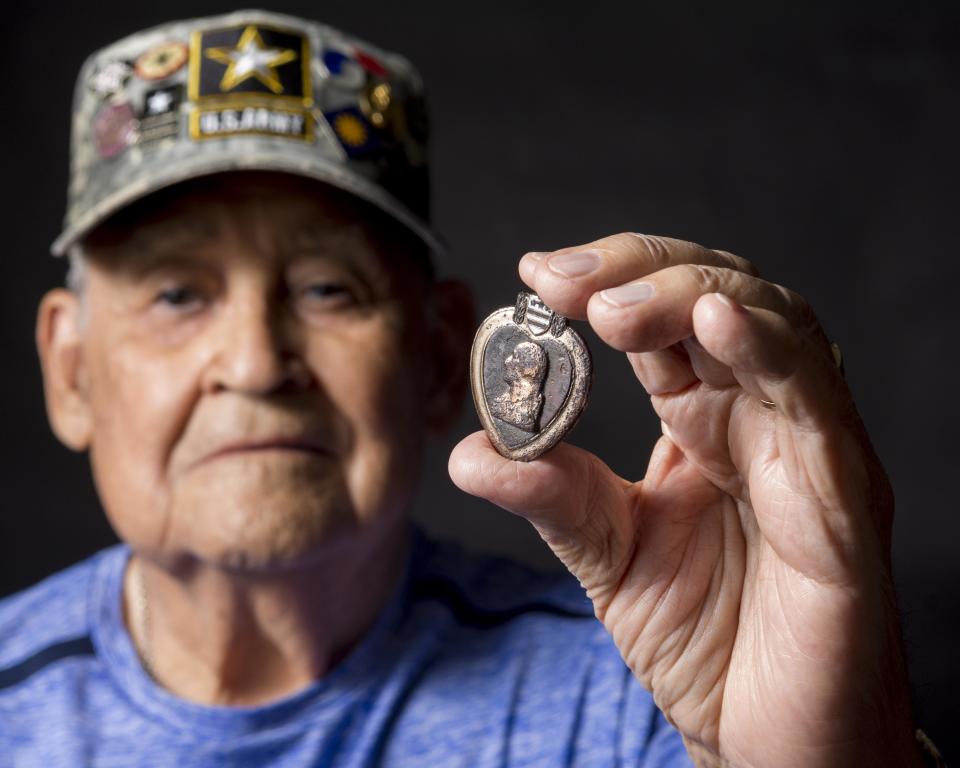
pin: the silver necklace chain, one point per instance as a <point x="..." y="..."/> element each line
<point x="142" y="618"/>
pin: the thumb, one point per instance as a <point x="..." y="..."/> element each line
<point x="579" y="506"/>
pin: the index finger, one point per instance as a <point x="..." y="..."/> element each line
<point x="565" y="279"/>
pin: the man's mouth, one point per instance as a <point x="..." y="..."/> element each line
<point x="274" y="444"/>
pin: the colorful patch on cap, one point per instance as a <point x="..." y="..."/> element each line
<point x="250" y="79"/>
<point x="353" y="70"/>
<point x="250" y="60"/>
<point x="161" y="61"/>
<point x="110" y="78"/>
<point x="114" y="129"/>
<point x="225" y="121"/>
<point x="334" y="61"/>
<point x="160" y="117"/>
<point x="345" y="72"/>
<point x="371" y="64"/>
<point x="356" y="135"/>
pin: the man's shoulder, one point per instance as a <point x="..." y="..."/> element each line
<point x="53" y="615"/>
<point x="485" y="590"/>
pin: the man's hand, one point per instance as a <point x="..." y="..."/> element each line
<point x="746" y="579"/>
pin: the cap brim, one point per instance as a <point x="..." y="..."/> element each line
<point x="312" y="167"/>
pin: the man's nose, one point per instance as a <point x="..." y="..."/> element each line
<point x="257" y="349"/>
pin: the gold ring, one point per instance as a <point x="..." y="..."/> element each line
<point x="837" y="357"/>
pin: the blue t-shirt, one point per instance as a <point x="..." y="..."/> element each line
<point x="475" y="662"/>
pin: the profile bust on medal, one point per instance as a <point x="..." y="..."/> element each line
<point x="523" y="370"/>
<point x="253" y="347"/>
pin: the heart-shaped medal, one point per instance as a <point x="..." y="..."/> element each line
<point x="531" y="374"/>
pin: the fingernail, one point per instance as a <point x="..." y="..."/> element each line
<point x="534" y="255"/>
<point x="575" y="264"/>
<point x="627" y="295"/>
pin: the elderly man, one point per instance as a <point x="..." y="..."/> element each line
<point x="253" y="346"/>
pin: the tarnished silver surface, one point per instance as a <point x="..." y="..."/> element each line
<point x="530" y="374"/>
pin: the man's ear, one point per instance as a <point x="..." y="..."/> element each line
<point x="451" y="334"/>
<point x="59" y="342"/>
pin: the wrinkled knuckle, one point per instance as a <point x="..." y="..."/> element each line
<point x="704" y="279"/>
<point x="787" y="302"/>
<point x="622" y="242"/>
<point x="810" y="322"/>
<point x="799" y="310"/>
<point x="739" y="263"/>
<point x="652" y="249"/>
<point x="625" y="240"/>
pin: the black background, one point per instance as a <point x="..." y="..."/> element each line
<point x="820" y="142"/>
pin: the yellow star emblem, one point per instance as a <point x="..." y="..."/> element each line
<point x="251" y="58"/>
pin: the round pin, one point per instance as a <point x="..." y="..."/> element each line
<point x="375" y="103"/>
<point x="350" y="129"/>
<point x="530" y="374"/>
<point x="161" y="61"/>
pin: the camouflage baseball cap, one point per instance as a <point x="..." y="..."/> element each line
<point x="250" y="90"/>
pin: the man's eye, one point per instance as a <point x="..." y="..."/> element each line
<point x="177" y="296"/>
<point x="328" y="293"/>
<point x="323" y="290"/>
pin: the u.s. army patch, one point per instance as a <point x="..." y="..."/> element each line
<point x="251" y="79"/>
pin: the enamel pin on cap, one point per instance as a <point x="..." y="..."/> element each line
<point x="530" y="373"/>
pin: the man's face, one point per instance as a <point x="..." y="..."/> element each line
<point x="254" y="362"/>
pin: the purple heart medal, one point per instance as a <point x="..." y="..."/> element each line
<point x="530" y="373"/>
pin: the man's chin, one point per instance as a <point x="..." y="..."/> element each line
<point x="261" y="530"/>
<point x="263" y="550"/>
